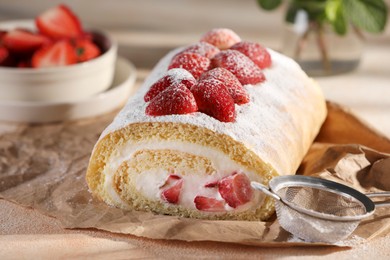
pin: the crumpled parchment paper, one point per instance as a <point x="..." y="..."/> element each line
<point x="43" y="167"/>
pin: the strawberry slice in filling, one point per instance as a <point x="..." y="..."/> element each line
<point x="171" y="189"/>
<point x="209" y="204"/>
<point x="231" y="192"/>
<point x="235" y="189"/>
<point x="205" y="180"/>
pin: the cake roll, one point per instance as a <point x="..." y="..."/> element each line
<point x="206" y="122"/>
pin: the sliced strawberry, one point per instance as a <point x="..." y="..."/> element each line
<point x="209" y="204"/>
<point x="222" y="38"/>
<point x="203" y="48"/>
<point x="212" y="184"/>
<point x="91" y="36"/>
<point x="246" y="71"/>
<point x="193" y="62"/>
<point x="2" y="34"/>
<point x="213" y="99"/>
<point x="254" y="51"/>
<point x="60" y="53"/>
<point x="172" y="194"/>
<point x="235" y="189"/>
<point x="6" y="59"/>
<point x="4" y="53"/>
<point x="235" y="88"/>
<point x="59" y="22"/>
<point x="173" y="77"/>
<point x="86" y="50"/>
<point x="23" y="41"/>
<point x="172" y="178"/>
<point x="24" y="64"/>
<point x="173" y="100"/>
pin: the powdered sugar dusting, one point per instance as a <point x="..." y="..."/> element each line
<point x="280" y="109"/>
<point x="246" y="71"/>
<point x="222" y="38"/>
<point x="214" y="99"/>
<point x="177" y="75"/>
<point x="236" y="90"/>
<point x="257" y="53"/>
<point x="193" y="62"/>
<point x="203" y="48"/>
<point x="176" y="99"/>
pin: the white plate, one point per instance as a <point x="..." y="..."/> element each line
<point x="43" y="112"/>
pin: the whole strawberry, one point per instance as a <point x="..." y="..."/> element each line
<point x="195" y="63"/>
<point x="235" y="88"/>
<point x="246" y="71"/>
<point x="222" y="38"/>
<point x="213" y="99"/>
<point x="254" y="51"/>
<point x="202" y="48"/>
<point x="173" y="77"/>
<point x="173" y="100"/>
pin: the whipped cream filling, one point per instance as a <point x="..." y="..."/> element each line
<point x="149" y="182"/>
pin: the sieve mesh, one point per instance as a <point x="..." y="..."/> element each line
<point x="313" y="229"/>
<point x="322" y="201"/>
<point x="318" y="210"/>
<point x="320" y="205"/>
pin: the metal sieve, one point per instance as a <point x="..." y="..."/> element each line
<point x="318" y="210"/>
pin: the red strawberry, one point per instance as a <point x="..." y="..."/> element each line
<point x="6" y="60"/>
<point x="240" y="65"/>
<point x="214" y="100"/>
<point x="222" y="38"/>
<point x="172" y="194"/>
<point x="203" y="48"/>
<point x="59" y="22"/>
<point x="172" y="78"/>
<point x="209" y="204"/>
<point x="172" y="178"/>
<point x="24" y="64"/>
<point x="236" y="90"/>
<point x="2" y="34"/>
<point x="254" y="51"/>
<point x="22" y="41"/>
<point x="60" y="53"/>
<point x="212" y="184"/>
<point x="235" y="189"/>
<point x="86" y="50"/>
<point x="173" y="100"/>
<point x="193" y="62"/>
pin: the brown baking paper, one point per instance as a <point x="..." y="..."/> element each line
<point x="43" y="167"/>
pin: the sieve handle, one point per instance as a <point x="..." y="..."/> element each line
<point x="266" y="190"/>
<point x="379" y="194"/>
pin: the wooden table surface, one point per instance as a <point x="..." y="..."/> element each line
<point x="26" y="234"/>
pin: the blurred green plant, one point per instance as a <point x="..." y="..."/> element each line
<point x="368" y="15"/>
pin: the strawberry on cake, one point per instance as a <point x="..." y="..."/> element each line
<point x="210" y="118"/>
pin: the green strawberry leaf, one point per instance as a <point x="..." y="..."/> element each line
<point x="269" y="4"/>
<point x="370" y="15"/>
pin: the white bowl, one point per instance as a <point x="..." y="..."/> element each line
<point x="67" y="83"/>
<point x="53" y="111"/>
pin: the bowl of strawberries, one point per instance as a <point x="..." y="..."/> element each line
<point x="53" y="58"/>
